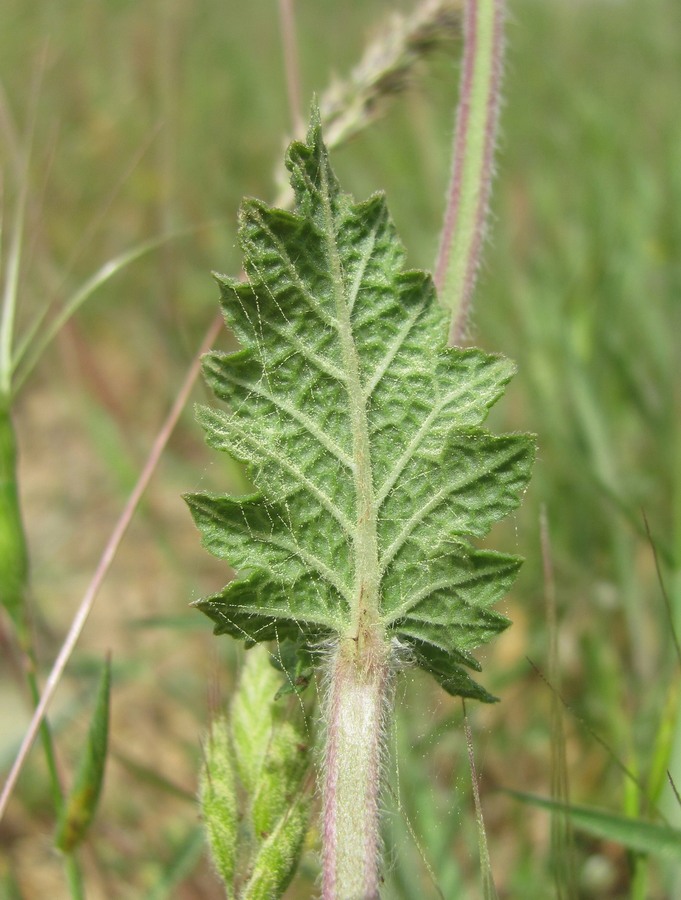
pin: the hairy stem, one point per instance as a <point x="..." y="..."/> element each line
<point x="355" y="704"/>
<point x="472" y="160"/>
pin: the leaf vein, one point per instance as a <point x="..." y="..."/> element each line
<point x="319" y="361"/>
<point x="384" y="363"/>
<point x="370" y="245"/>
<point x="432" y="504"/>
<point x="311" y="302"/>
<point x="313" y="562"/>
<point x="414" y="599"/>
<point x="286" y="464"/>
<point x="310" y="426"/>
<point x="416" y="441"/>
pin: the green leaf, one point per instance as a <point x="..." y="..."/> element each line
<point x="363" y="436"/>
<point x="634" y="834"/>
<point x="80" y="806"/>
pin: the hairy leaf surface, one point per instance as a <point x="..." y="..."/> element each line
<point x="363" y="436"/>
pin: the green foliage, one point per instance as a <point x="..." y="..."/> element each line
<point x="253" y="805"/>
<point x="636" y="835"/>
<point x="580" y="287"/>
<point x="362" y="432"/>
<point x="81" y="804"/>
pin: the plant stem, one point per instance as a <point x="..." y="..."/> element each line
<point x="74" y="877"/>
<point x="489" y="891"/>
<point x="358" y="694"/>
<point x="14" y="577"/>
<point x="45" y="731"/>
<point x="472" y="160"/>
<point x="14" y="585"/>
<point x="13" y="553"/>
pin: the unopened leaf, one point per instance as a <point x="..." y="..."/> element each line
<point x="218" y="795"/>
<point x="253" y="802"/>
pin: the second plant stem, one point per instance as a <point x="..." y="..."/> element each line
<point x="463" y="231"/>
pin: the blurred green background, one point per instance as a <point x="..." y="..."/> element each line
<point x="153" y="117"/>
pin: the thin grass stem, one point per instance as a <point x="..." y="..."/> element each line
<point x="10" y="287"/>
<point x="74" y="877"/>
<point x="489" y="890"/>
<point x="562" y="840"/>
<point x="45" y="731"/>
<point x="85" y="237"/>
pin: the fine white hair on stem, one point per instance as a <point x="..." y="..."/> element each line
<point x="357" y="710"/>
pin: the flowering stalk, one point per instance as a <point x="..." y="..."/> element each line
<point x="387" y="67"/>
<point x="357" y="697"/>
<point x="463" y="231"/>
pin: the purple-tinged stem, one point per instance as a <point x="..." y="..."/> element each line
<point x="463" y="230"/>
<point x="355" y="706"/>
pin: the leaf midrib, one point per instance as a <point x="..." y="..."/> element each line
<point x="365" y="610"/>
<point x="285" y="463"/>
<point x="435" y="500"/>
<point x="313" y="562"/>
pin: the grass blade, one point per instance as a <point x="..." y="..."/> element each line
<point x="33" y="345"/>
<point x="81" y="804"/>
<point x="634" y="834"/>
<point x="13" y="553"/>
